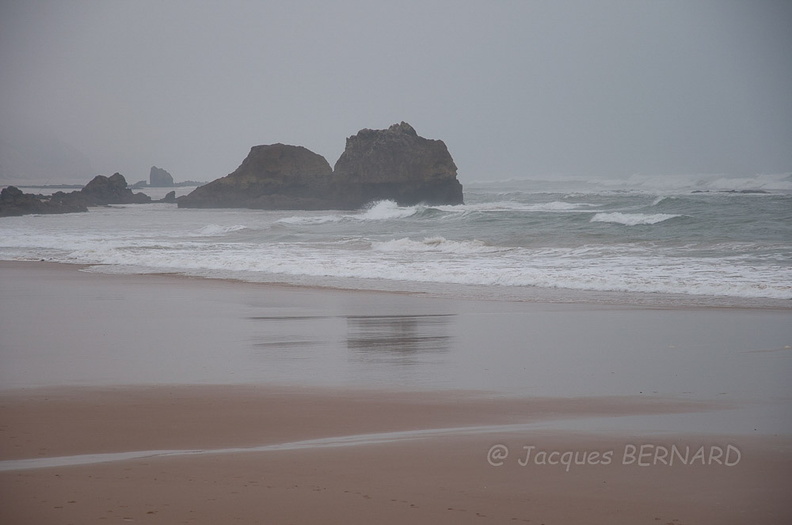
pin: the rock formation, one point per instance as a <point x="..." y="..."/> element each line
<point x="169" y="198"/>
<point x="393" y="164"/>
<point x="159" y="178"/>
<point x="277" y="176"/>
<point x="99" y="192"/>
<point x="14" y="202"/>
<point x="111" y="190"/>
<point x="396" y="164"/>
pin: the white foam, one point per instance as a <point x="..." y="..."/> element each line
<point x="211" y="230"/>
<point x="712" y="182"/>
<point x="434" y="244"/>
<point x="300" y="220"/>
<point x="389" y="210"/>
<point x="196" y="242"/>
<point x="385" y="210"/>
<point x="632" y="219"/>
<point x="626" y="268"/>
<point x="515" y="206"/>
<point x="376" y="211"/>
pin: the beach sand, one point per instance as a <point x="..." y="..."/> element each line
<point x="294" y="405"/>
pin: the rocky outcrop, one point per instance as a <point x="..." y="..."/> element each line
<point x="111" y="190"/>
<point x="169" y="198"/>
<point x="99" y="192"/>
<point x="396" y="164"/>
<point x="159" y="178"/>
<point x="14" y="202"/>
<point x="392" y="164"/>
<point x="276" y="176"/>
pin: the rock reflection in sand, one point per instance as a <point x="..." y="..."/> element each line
<point x="398" y="337"/>
<point x="289" y="335"/>
<point x="377" y="345"/>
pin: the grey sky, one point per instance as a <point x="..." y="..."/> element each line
<point x="515" y="89"/>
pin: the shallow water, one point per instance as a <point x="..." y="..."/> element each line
<point x="662" y="237"/>
<point x="62" y="327"/>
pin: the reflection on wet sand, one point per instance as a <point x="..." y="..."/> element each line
<point x="383" y="336"/>
<point x="293" y="335"/>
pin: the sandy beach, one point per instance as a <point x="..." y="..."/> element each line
<point x="163" y="399"/>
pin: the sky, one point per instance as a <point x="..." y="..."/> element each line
<point x="516" y="89"/>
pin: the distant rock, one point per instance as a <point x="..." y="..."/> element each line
<point x="396" y="164"/>
<point x="169" y="197"/>
<point x="99" y="192"/>
<point x="276" y="176"/>
<point x="393" y="164"/>
<point x="111" y="190"/>
<point x="159" y="178"/>
<point x="13" y="202"/>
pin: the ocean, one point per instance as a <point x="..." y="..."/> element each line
<point x="658" y="240"/>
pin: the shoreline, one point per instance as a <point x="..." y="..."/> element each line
<point x="175" y="329"/>
<point x="535" y="295"/>
<point x="219" y="401"/>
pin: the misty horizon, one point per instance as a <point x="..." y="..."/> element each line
<point x="515" y="90"/>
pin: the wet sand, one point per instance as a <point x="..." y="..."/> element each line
<point x="421" y="477"/>
<point x="292" y="405"/>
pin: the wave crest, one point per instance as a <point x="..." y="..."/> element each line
<point x="309" y="220"/>
<point x="213" y="230"/>
<point x="514" y="206"/>
<point x="376" y="211"/>
<point x="434" y="244"/>
<point x="633" y="219"/>
<point x="385" y="210"/>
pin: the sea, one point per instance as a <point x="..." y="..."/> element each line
<point x="657" y="240"/>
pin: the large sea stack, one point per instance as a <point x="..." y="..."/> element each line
<point x="275" y="177"/>
<point x="160" y="178"/>
<point x="393" y="164"/>
<point x="396" y="164"/>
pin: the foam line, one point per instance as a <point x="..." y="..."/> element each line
<point x="331" y="442"/>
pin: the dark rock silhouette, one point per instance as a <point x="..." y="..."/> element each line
<point x="392" y="164"/>
<point x="388" y="164"/>
<point x="159" y="178"/>
<point x="169" y="197"/>
<point x="13" y="202"/>
<point x="277" y="176"/>
<point x="100" y="191"/>
<point x="396" y="164"/>
<point x="111" y="190"/>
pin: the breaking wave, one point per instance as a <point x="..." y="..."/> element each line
<point x="212" y="230"/>
<point x="633" y="219"/>
<point x="376" y="211"/>
<point x="435" y="244"/>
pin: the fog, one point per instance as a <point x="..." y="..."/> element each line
<point x="515" y="89"/>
